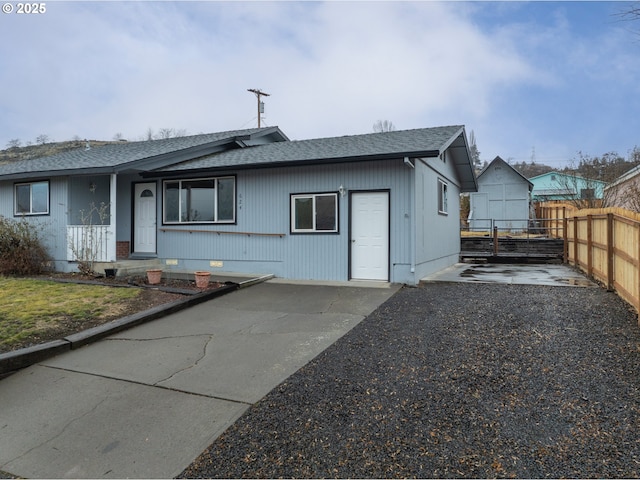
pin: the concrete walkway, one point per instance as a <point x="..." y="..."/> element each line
<point x="146" y="402"/>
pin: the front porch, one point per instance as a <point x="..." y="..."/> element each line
<point x="128" y="267"/>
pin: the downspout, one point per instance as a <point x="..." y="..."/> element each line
<point x="412" y="217"/>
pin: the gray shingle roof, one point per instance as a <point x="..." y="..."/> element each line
<point x="397" y="144"/>
<point x="262" y="147"/>
<point x="112" y="156"/>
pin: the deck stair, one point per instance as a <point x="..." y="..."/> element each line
<point x="512" y="250"/>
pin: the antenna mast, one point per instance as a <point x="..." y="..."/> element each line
<point x="259" y="94"/>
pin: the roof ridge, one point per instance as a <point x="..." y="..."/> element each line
<point x="117" y="148"/>
<point x="255" y="129"/>
<point x="408" y="130"/>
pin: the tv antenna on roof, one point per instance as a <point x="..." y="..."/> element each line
<point x="259" y="94"/>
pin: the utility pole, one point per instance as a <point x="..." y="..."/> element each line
<point x="259" y="94"/>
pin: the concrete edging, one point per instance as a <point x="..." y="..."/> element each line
<point x="25" y="357"/>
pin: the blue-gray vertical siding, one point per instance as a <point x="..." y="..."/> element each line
<point x="52" y="228"/>
<point x="87" y="195"/>
<point x="421" y="240"/>
<point x="263" y="197"/>
<point x="437" y="235"/>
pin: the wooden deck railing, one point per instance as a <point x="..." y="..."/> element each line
<point x="603" y="243"/>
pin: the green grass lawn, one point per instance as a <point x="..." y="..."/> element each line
<point x="35" y="308"/>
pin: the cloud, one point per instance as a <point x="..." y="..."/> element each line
<point x="516" y="73"/>
<point x="99" y="68"/>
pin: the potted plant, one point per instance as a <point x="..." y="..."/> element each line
<point x="202" y="279"/>
<point x="154" y="276"/>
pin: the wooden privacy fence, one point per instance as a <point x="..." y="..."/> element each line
<point x="603" y="243"/>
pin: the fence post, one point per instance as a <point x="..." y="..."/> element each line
<point x="589" y="246"/>
<point x="638" y="274"/>
<point x="495" y="240"/>
<point x="565" y="236"/>
<point x="610" y="251"/>
<point x="575" y="242"/>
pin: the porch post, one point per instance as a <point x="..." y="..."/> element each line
<point x="111" y="232"/>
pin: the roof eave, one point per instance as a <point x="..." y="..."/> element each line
<point x="462" y="163"/>
<point x="294" y="163"/>
<point x="42" y="174"/>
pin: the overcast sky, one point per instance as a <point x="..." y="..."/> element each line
<point x="539" y="80"/>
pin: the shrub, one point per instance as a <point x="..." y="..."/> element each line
<point x="21" y="251"/>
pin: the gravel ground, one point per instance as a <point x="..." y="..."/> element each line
<point x="455" y="380"/>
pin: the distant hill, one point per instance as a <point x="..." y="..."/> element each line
<point x="15" y="154"/>
<point x="530" y="170"/>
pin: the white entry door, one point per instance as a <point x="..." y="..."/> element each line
<point x="144" y="223"/>
<point x="370" y="236"/>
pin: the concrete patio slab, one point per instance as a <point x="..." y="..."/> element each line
<point x="529" y="274"/>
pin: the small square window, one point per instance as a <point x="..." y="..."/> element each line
<point x="314" y="213"/>
<point x="587" y="194"/>
<point x="31" y="198"/>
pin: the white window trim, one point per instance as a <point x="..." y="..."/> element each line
<point x="313" y="196"/>
<point x="196" y="179"/>
<point x="30" y="212"/>
<point x="443" y="207"/>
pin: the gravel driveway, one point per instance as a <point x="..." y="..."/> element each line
<point x="455" y="380"/>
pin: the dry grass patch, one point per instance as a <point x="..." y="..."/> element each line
<point x="36" y="309"/>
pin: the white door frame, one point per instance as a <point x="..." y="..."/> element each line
<point x="383" y="270"/>
<point x="149" y="245"/>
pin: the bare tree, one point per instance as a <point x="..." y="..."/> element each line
<point x="581" y="192"/>
<point x="631" y="12"/>
<point x="583" y="185"/>
<point x="42" y="139"/>
<point x="384" y="126"/>
<point x="166" y="133"/>
<point x="625" y="190"/>
<point x="475" y="153"/>
<point x="14" y="143"/>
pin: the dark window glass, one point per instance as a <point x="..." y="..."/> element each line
<point x="172" y="202"/>
<point x="304" y="213"/>
<point x="326" y="212"/>
<point x="226" y="199"/>
<point x="23" y="198"/>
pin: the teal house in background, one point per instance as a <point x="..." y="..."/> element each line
<point x="561" y="186"/>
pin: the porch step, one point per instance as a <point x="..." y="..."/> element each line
<point x="129" y="267"/>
